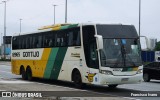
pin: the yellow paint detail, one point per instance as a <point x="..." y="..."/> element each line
<point x="90" y="77"/>
<point x="135" y="69"/>
<point x="44" y="60"/>
<point x="53" y="27"/>
<point x="37" y="66"/>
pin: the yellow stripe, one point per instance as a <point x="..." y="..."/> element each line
<point x="135" y="69"/>
<point x="44" y="60"/>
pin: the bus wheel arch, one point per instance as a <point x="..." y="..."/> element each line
<point x="76" y="78"/>
<point x="29" y="73"/>
<point x="23" y="72"/>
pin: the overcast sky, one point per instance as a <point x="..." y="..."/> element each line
<point x="37" y="13"/>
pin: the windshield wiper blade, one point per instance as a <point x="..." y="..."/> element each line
<point x="123" y="51"/>
<point x="131" y="61"/>
<point x="118" y="61"/>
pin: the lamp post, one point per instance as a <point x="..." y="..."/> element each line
<point x="54" y="13"/>
<point x="20" y="25"/>
<point x="139" y="18"/>
<point x="1" y="38"/>
<point x="66" y="12"/>
<point x="4" y="27"/>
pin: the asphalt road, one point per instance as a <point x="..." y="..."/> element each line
<point x="11" y="82"/>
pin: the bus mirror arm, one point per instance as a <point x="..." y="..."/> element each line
<point x="99" y="41"/>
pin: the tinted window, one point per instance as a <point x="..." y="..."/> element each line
<point x="60" y="38"/>
<point x="15" y="43"/>
<point x="73" y="37"/>
<point x="90" y="46"/>
<point x="117" y="31"/>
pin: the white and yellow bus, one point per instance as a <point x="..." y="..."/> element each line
<point x="98" y="54"/>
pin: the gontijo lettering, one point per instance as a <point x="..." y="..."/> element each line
<point x="31" y="54"/>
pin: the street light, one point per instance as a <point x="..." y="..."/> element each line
<point x="20" y="24"/>
<point x="4" y="27"/>
<point x="54" y="13"/>
<point x="66" y="12"/>
<point x="139" y="18"/>
<point x="1" y="38"/>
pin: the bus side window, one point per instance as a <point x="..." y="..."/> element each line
<point x="70" y="38"/>
<point x="50" y="43"/>
<point x="90" y="47"/>
<point x="15" y="43"/>
<point x="58" y="41"/>
<point x="30" y="42"/>
<point x="27" y="43"/>
<point x="78" y="43"/>
<point x="73" y="37"/>
<point x="23" y="43"/>
<point x="35" y="41"/>
<point x="39" y="41"/>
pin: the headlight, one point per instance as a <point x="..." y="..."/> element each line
<point x="140" y="71"/>
<point x="106" y="72"/>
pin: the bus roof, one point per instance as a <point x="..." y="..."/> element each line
<point x="50" y="28"/>
<point x="59" y="27"/>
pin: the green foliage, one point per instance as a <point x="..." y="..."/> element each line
<point x="157" y="48"/>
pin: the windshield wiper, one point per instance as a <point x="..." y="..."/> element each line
<point x="118" y="61"/>
<point x="123" y="51"/>
<point x="131" y="61"/>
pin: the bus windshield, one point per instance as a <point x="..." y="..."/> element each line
<point x="120" y="49"/>
<point x="120" y="53"/>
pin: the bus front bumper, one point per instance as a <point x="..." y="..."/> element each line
<point x="111" y="79"/>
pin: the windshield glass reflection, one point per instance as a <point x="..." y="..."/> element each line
<point x="120" y="53"/>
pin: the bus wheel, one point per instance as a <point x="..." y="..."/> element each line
<point x="113" y="86"/>
<point x="23" y="73"/>
<point x="146" y="77"/>
<point x="29" y="74"/>
<point x="77" y="79"/>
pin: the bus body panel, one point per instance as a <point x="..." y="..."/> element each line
<point x="59" y="62"/>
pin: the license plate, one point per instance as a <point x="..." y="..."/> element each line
<point x="124" y="79"/>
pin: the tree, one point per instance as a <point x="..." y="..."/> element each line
<point x="157" y="48"/>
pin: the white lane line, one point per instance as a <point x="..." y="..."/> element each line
<point x="6" y="72"/>
<point x="4" y="81"/>
<point x="87" y="91"/>
<point x="131" y="98"/>
<point x="13" y="82"/>
<point x="58" y="86"/>
<point x="3" y="90"/>
<point x="7" y="68"/>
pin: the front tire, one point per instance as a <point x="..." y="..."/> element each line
<point x="146" y="77"/>
<point x="77" y="79"/>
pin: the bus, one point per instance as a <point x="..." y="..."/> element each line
<point x="96" y="54"/>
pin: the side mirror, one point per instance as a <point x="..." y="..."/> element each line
<point x="99" y="41"/>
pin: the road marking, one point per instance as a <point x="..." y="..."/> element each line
<point x="3" y="90"/>
<point x="12" y="81"/>
<point x="88" y="91"/>
<point x="131" y="98"/>
<point x="58" y="86"/>
<point x="6" y="72"/>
